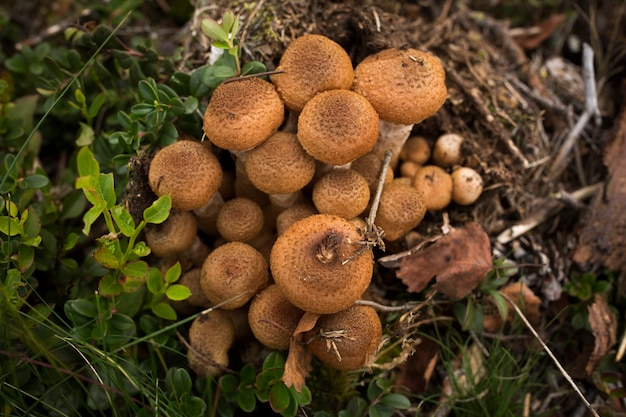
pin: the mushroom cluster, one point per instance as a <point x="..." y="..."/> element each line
<point x="267" y="213"/>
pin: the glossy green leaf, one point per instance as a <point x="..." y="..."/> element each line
<point x="147" y="90"/>
<point x="141" y="249"/>
<point x="9" y="226"/>
<point x="228" y="384"/>
<point x="181" y="381"/>
<point x="247" y="375"/>
<point x="302" y="398"/>
<point x="159" y="210"/>
<point x="228" y="20"/>
<point x="83" y="307"/>
<point x="155" y="281"/>
<point x="373" y="390"/>
<point x="105" y="257"/>
<point x="397" y="401"/>
<point x="273" y="360"/>
<point x="213" y="30"/>
<point x="106" y="188"/>
<point x="246" y="399"/>
<point x="137" y="270"/>
<point x="90" y="217"/>
<point x="96" y="104"/>
<point x="35" y="182"/>
<point x="109" y="286"/>
<point x="193" y="406"/>
<point x="279" y="397"/>
<point x="224" y="72"/>
<point x="253" y="67"/>
<point x="123" y="220"/>
<point x="70" y="241"/>
<point x="86" y="163"/>
<point x="173" y="273"/>
<point x="86" y="135"/>
<point x="25" y="257"/>
<point x="500" y="302"/>
<point x="121" y="321"/>
<point x="177" y="292"/>
<point x="380" y="410"/>
<point x="164" y="310"/>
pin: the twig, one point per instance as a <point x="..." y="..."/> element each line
<point x="591" y="110"/>
<point x="545" y="347"/>
<point x="244" y="30"/>
<point x="546" y="210"/>
<point x="387" y="309"/>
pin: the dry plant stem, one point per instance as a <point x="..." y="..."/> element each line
<point x="387" y="309"/>
<point x="554" y="359"/>
<point x="591" y="110"/>
<point x="391" y="136"/>
<point x="547" y="210"/>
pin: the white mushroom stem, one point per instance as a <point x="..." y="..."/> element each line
<point x="207" y="214"/>
<point x="391" y="136"/>
<point x="283" y="201"/>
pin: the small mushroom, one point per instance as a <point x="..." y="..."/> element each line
<point x="369" y="166"/>
<point x="447" y="150"/>
<point x="401" y="209"/>
<point x="435" y="185"/>
<point x="405" y="86"/>
<point x="319" y="264"/>
<point x="234" y="270"/>
<point x="337" y="126"/>
<point x="174" y="236"/>
<point x="467" y="186"/>
<point x="342" y="192"/>
<point x="347" y="340"/>
<point x="188" y="172"/>
<point x="292" y="214"/>
<point x="311" y="64"/>
<point x="272" y="318"/>
<point x="243" y="114"/>
<point x="416" y="149"/>
<point x="240" y="219"/>
<point x="210" y="337"/>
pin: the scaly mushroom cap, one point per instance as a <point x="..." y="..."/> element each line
<point x="240" y="219"/>
<point x="174" y="236"/>
<point x="405" y="86"/>
<point x="242" y="114"/>
<point x="188" y="172"/>
<point x="279" y="165"/>
<point x="347" y="340"/>
<point x="292" y="214"/>
<point x="435" y="185"/>
<point x="342" y="192"/>
<point x="319" y="265"/>
<point x="311" y="64"/>
<point x="369" y="166"/>
<point x="338" y="126"/>
<point x="210" y="336"/>
<point x="234" y="269"/>
<point x="401" y="209"/>
<point x="273" y="318"/>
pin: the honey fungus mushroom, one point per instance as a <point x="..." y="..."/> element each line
<point x="210" y="337"/>
<point x="242" y="114"/>
<point x="435" y="185"/>
<point x="319" y="264"/>
<point x="467" y="186"/>
<point x="337" y="126"/>
<point x="234" y="271"/>
<point x="188" y="172"/>
<point x="447" y="150"/>
<point x="347" y="340"/>
<point x="405" y="86"/>
<point x="401" y="209"/>
<point x="240" y="219"/>
<point x="343" y="192"/>
<point x="174" y="236"/>
<point x="311" y="64"/>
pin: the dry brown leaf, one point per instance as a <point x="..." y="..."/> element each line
<point x="523" y="297"/>
<point x="416" y="372"/>
<point x="458" y="260"/>
<point x="533" y="37"/>
<point x="298" y="364"/>
<point x="604" y="328"/>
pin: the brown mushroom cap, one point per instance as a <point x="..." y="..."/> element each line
<point x="435" y="185"/>
<point x="447" y="150"/>
<point x="240" y="219"/>
<point x="191" y="279"/>
<point x="210" y="336"/>
<point x="273" y="318"/>
<point x="279" y="165"/>
<point x="292" y="214"/>
<point x="467" y="186"/>
<point x="175" y="235"/>
<point x="242" y="114"/>
<point x="231" y="270"/>
<point x="342" y="192"/>
<point x="369" y="166"/>
<point x="401" y="209"/>
<point x="311" y="64"/>
<point x="307" y="263"/>
<point x="347" y="340"/>
<point x="405" y="86"/>
<point x="338" y="126"/>
<point x="416" y="149"/>
<point x="188" y="172"/>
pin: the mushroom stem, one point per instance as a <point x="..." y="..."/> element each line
<point x="282" y="201"/>
<point x="391" y="136"/>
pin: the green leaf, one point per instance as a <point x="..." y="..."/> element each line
<point x="141" y="249"/>
<point x="356" y="406"/>
<point x="34" y="182"/>
<point x="224" y="72"/>
<point x="302" y="398"/>
<point x="121" y="321"/>
<point x="373" y="390"/>
<point x="173" y="273"/>
<point x="273" y="360"/>
<point x="193" y="406"/>
<point x="159" y="210"/>
<point x="380" y="410"/>
<point x="70" y="241"/>
<point x="279" y="397"/>
<point x="213" y="30"/>
<point x="155" y="281"/>
<point x="86" y="163"/>
<point x="137" y="270"/>
<point x="83" y="307"/>
<point x="105" y="257"/>
<point x="191" y="105"/>
<point x="90" y="217"/>
<point x="9" y="226"/>
<point x="500" y="302"/>
<point x="106" y="189"/>
<point x="247" y="375"/>
<point x="177" y="292"/>
<point x="246" y="400"/>
<point x="86" y="135"/>
<point x="397" y="401"/>
<point x="96" y="104"/>
<point x="124" y="220"/>
<point x="109" y="286"/>
<point x="148" y="90"/>
<point x="228" y="384"/>
<point x="181" y="381"/>
<point x="25" y="257"/>
<point x="80" y="97"/>
<point x="164" y="310"/>
<point x="253" y="67"/>
<point x="228" y="19"/>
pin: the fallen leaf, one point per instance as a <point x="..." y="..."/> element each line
<point x="604" y="328"/>
<point x="298" y="363"/>
<point x="415" y="373"/>
<point x="531" y="38"/>
<point x="458" y="260"/>
<point x="523" y="297"/>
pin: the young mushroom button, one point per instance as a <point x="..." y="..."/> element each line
<point x="188" y="172"/>
<point x="311" y="64"/>
<point x="319" y="264"/>
<point x="405" y="86"/>
<point x="242" y="114"/>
